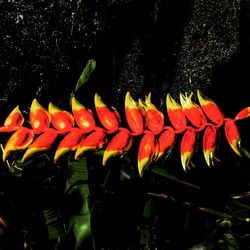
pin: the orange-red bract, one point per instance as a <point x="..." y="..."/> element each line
<point x="39" y="117"/>
<point x="187" y="147"/>
<point x="133" y="115"/>
<point x="211" y="109"/>
<point x="118" y="145"/>
<point x="232" y="135"/>
<point x="209" y="144"/>
<point x="84" y="117"/>
<point x="20" y="140"/>
<point x="148" y="150"/>
<point x="176" y="115"/>
<point x="166" y="141"/>
<point x="243" y="114"/>
<point x="13" y="121"/>
<point x="94" y="141"/>
<point x="193" y="112"/>
<point x="154" y="117"/>
<point x="109" y="118"/>
<point x="61" y="120"/>
<point x="69" y="143"/>
<point x="42" y="143"/>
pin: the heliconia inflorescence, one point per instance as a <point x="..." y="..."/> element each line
<point x="81" y="132"/>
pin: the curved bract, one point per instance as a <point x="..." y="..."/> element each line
<point x="88" y="131"/>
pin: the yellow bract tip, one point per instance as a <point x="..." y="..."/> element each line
<point x="171" y="103"/>
<point x="75" y="104"/>
<point x="53" y="108"/>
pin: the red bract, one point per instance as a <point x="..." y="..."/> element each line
<point x="187" y="147"/>
<point x="39" y="117"/>
<point x="211" y="109"/>
<point x="109" y="118"/>
<point x="69" y="143"/>
<point x="243" y="114"/>
<point x="20" y="140"/>
<point x="232" y="135"/>
<point x="84" y="117"/>
<point x="133" y="115"/>
<point x="92" y="142"/>
<point x="166" y="141"/>
<point x="61" y="120"/>
<point x="176" y="114"/>
<point x="209" y="144"/>
<point x="193" y="111"/>
<point x="42" y="143"/>
<point x="148" y="150"/>
<point x="154" y="117"/>
<point x="118" y="145"/>
<point x="13" y="121"/>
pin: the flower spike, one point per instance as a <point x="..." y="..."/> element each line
<point x="211" y="109"/>
<point x="108" y="118"/>
<point x="84" y="117"/>
<point x="209" y="144"/>
<point x="13" y="121"/>
<point x="154" y="117"/>
<point x="92" y="142"/>
<point x="69" y="143"/>
<point x="176" y="115"/>
<point x="39" y="117"/>
<point x="133" y="115"/>
<point x="187" y="147"/>
<point x="232" y="135"/>
<point x="193" y="111"/>
<point x="42" y="143"/>
<point x="118" y="145"/>
<point x="61" y="119"/>
<point x="80" y="133"/>
<point x="20" y="140"/>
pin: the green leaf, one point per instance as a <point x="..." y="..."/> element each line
<point x="86" y="73"/>
<point x="77" y="186"/>
<point x="165" y="174"/>
<point x="55" y="223"/>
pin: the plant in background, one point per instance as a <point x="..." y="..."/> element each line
<point x="52" y="134"/>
